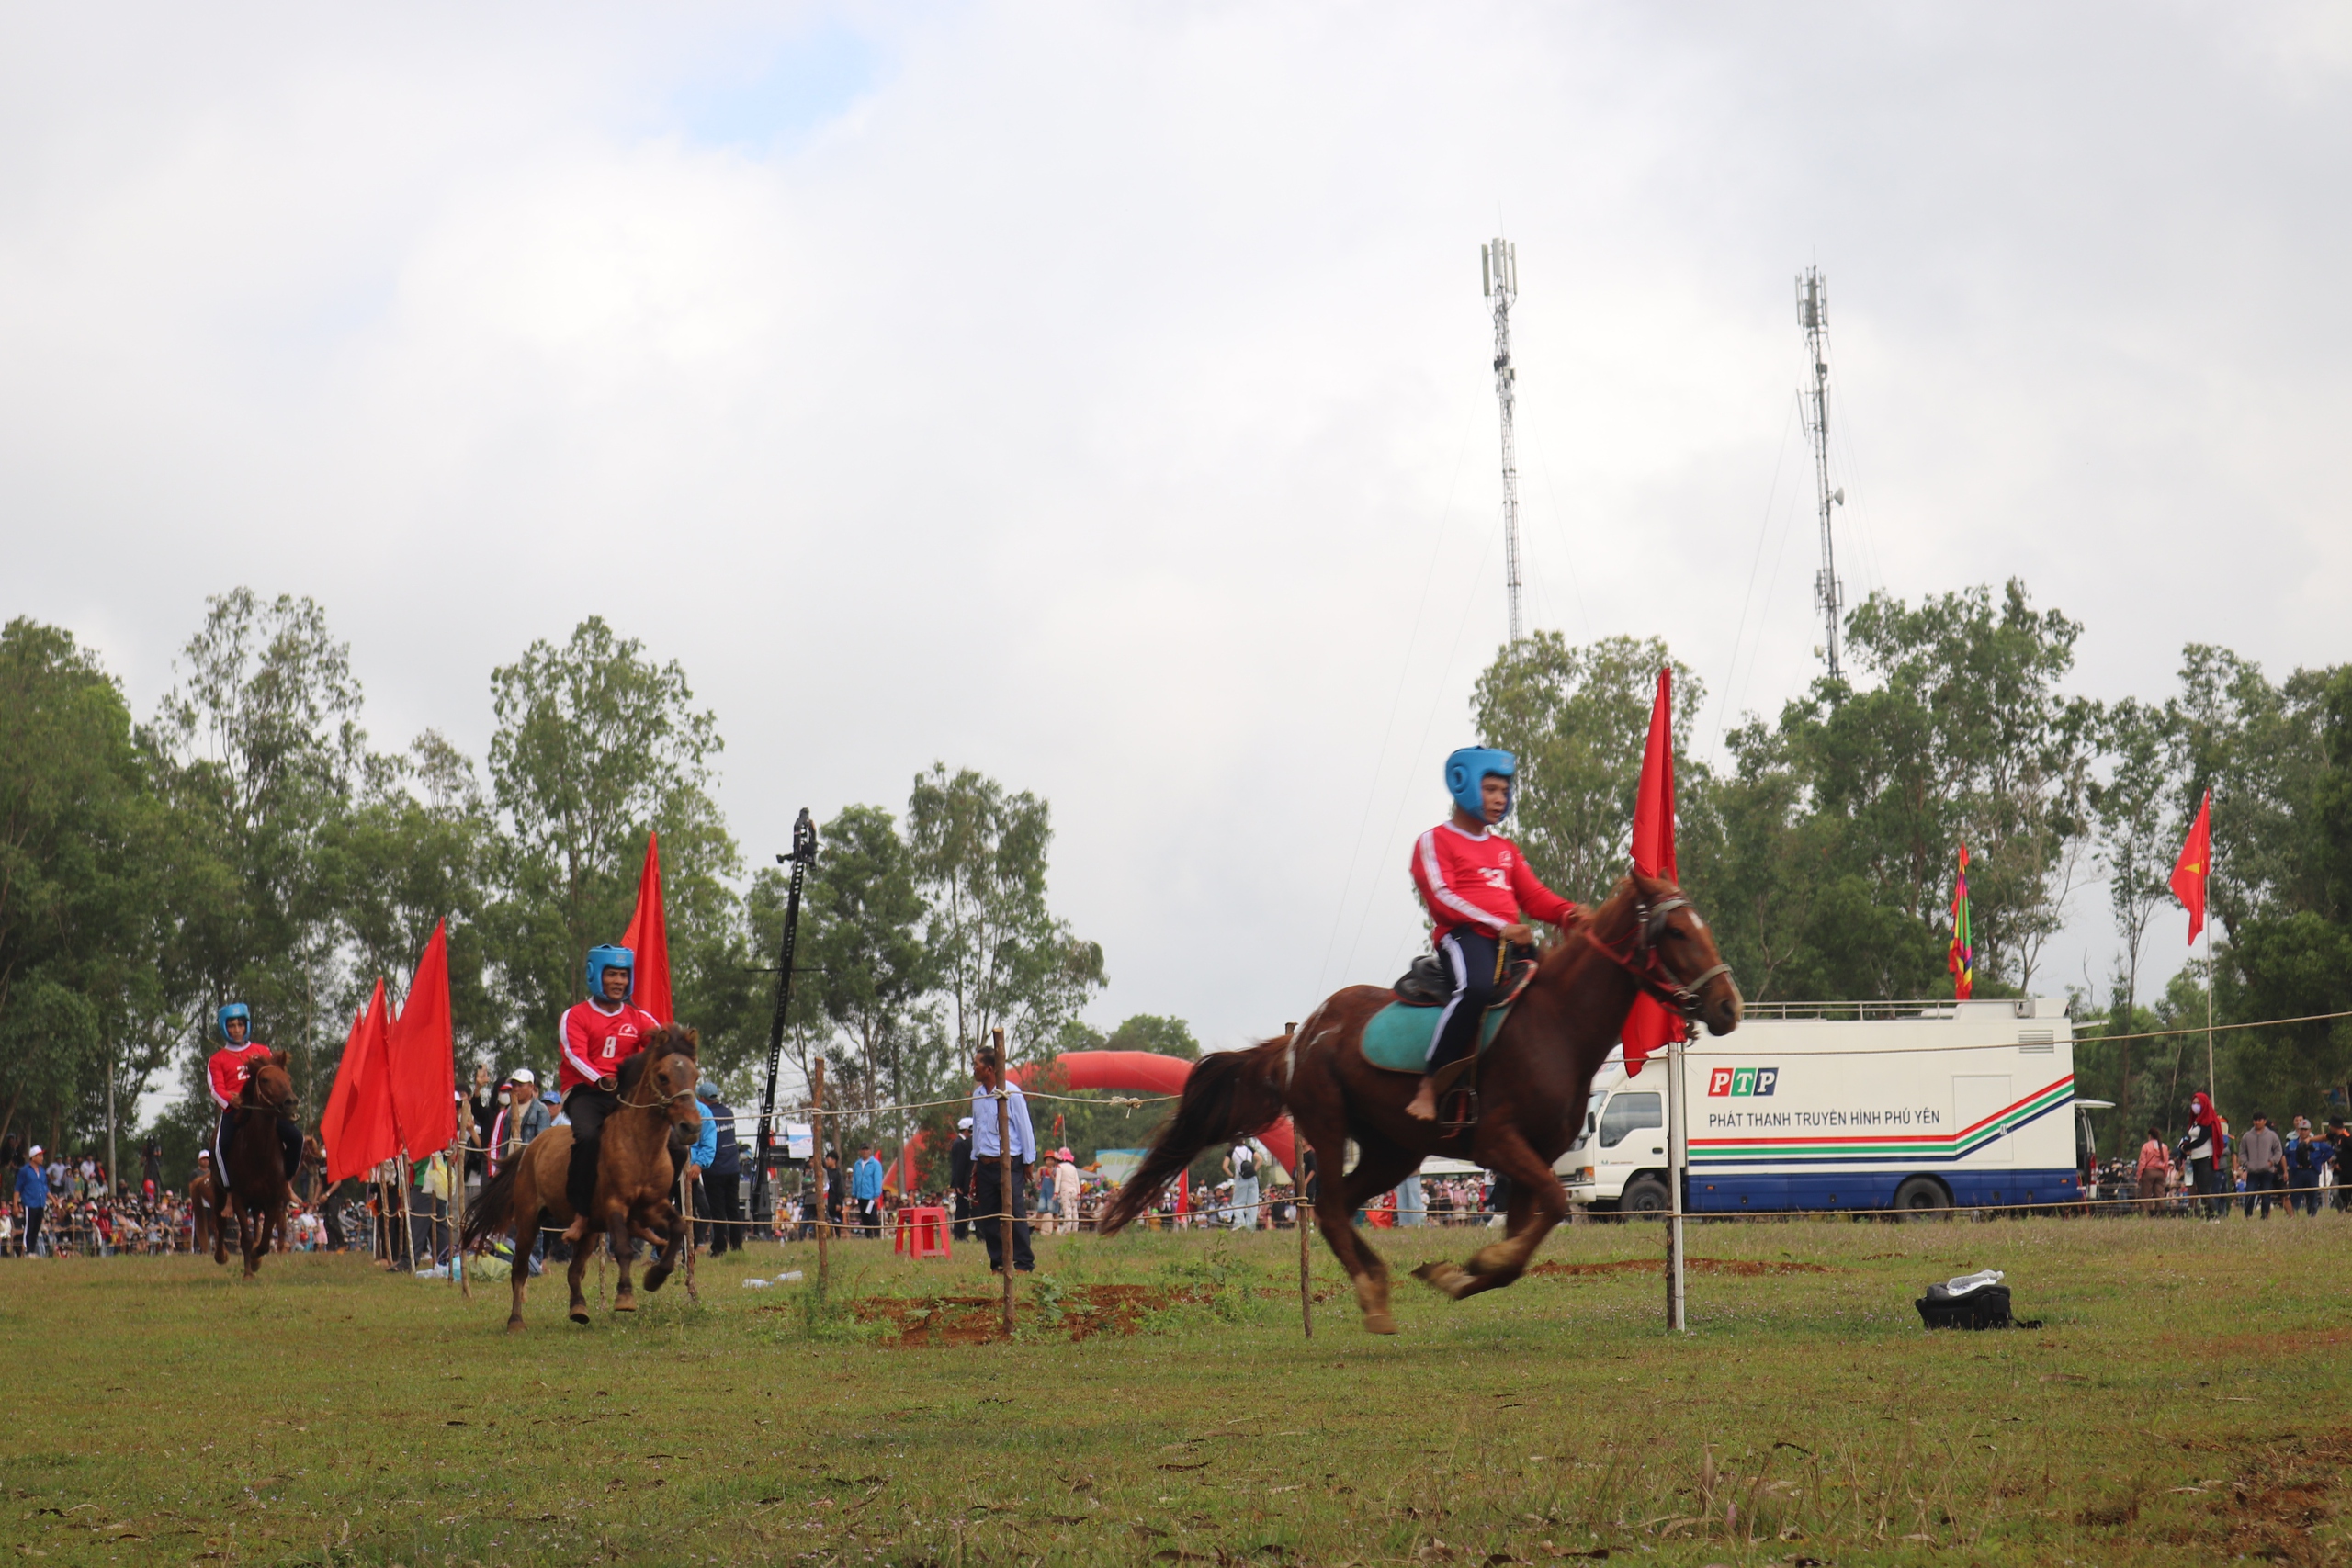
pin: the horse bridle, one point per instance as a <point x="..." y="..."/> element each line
<point x="1648" y="965"/>
<point x="660" y="1104"/>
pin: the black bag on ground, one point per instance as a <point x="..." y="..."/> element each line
<point x="1972" y="1301"/>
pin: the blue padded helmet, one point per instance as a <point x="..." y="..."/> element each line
<point x="603" y="958"/>
<point x="234" y="1010"/>
<point x="1465" y="776"/>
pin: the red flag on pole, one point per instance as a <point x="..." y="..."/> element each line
<point x="649" y="938"/>
<point x="1649" y="1026"/>
<point x="357" y="1128"/>
<point x="2196" y="863"/>
<point x="423" y="1053"/>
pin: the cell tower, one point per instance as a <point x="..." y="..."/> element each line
<point x="1828" y="593"/>
<point x="1499" y="262"/>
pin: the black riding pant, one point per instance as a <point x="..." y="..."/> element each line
<point x="1470" y="958"/>
<point x="726" y="1193"/>
<point x="290" y="1143"/>
<point x="989" y="1201"/>
<point x="587" y="1106"/>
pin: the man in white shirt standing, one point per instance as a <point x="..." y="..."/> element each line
<point x="992" y="1196"/>
<point x="1242" y="1166"/>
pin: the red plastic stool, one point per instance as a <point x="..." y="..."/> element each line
<point x="922" y="1232"/>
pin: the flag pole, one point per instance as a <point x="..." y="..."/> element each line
<point x="1677" y="1145"/>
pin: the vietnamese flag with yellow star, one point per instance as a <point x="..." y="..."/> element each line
<point x="2196" y="863"/>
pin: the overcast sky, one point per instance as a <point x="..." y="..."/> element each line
<point x="1098" y="397"/>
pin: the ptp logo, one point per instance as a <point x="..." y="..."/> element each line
<point x="1741" y="1082"/>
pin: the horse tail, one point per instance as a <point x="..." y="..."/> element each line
<point x="1229" y="1094"/>
<point x="494" y="1209"/>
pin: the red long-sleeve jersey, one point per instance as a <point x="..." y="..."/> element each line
<point x="227" y="1070"/>
<point x="1481" y="881"/>
<point x="594" y="1043"/>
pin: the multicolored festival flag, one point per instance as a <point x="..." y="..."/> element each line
<point x="1961" y="959"/>
<point x="2196" y="863"/>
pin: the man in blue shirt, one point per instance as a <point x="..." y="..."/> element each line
<point x="992" y="1196"/>
<point x="32" y="1191"/>
<point x="865" y="1189"/>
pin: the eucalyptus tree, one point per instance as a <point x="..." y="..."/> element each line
<point x="1005" y="959"/>
<point x="597" y="744"/>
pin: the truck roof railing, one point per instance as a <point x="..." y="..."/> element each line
<point x="2011" y="1007"/>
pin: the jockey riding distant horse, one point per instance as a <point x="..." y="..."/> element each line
<point x="254" y="1180"/>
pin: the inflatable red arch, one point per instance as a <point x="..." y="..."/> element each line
<point x="1125" y="1072"/>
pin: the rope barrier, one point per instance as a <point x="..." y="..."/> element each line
<point x="1694" y="1052"/>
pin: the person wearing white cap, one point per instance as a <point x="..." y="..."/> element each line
<point x="1065" y="1181"/>
<point x="32" y="1191"/>
<point x="959" y="1178"/>
<point x="521" y="1117"/>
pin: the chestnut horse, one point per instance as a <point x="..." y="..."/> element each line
<point x="635" y="1180"/>
<point x="203" y="1207"/>
<point x="1531" y="1086"/>
<point x="255" y="1186"/>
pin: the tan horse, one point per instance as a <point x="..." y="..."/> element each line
<point x="1531" y="1085"/>
<point x="635" y="1180"/>
<point x="254" y="1187"/>
<point x="203" y="1209"/>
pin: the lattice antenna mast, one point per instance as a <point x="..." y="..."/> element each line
<point x="1499" y="262"/>
<point x="1828" y="593"/>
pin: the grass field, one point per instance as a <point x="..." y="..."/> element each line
<point x="2185" y="1401"/>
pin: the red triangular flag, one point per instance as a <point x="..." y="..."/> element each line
<point x="649" y="938"/>
<point x="423" y="1054"/>
<point x="1649" y="1026"/>
<point x="358" y="1130"/>
<point x="2196" y="863"/>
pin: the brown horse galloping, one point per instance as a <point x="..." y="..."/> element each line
<point x="255" y="1186"/>
<point x="635" y="1177"/>
<point x="1531" y="1086"/>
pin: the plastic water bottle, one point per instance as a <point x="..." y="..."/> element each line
<point x="789" y="1277"/>
<point x="755" y="1284"/>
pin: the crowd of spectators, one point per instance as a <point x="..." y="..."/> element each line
<point x="2298" y="1171"/>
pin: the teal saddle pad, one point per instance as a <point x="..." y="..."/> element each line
<point x="1398" y="1036"/>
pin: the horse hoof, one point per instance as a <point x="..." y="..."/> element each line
<point x="1444" y="1277"/>
<point x="655" y="1278"/>
<point x="624" y="1304"/>
<point x="1379" y="1323"/>
<point x="515" y="1325"/>
<point x="578" y="1315"/>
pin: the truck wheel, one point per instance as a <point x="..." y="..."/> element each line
<point x="1922" y="1195"/>
<point x="1646" y="1195"/>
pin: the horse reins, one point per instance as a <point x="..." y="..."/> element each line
<point x="1648" y="965"/>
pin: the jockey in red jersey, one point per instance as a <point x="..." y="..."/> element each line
<point x="226" y="1075"/>
<point x="1475" y="884"/>
<point x="597" y="1036"/>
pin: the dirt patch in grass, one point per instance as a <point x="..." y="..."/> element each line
<point x="1744" y="1267"/>
<point x="2281" y="1490"/>
<point x="920" y="1323"/>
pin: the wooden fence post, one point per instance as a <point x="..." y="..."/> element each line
<point x="1004" y="1175"/>
<point x="817" y="1157"/>
<point x="1298" y="1214"/>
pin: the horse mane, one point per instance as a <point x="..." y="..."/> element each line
<point x="670" y="1040"/>
<point x="1611" y="921"/>
<point x="249" y="1092"/>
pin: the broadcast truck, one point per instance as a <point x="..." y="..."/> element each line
<point x="1846" y="1105"/>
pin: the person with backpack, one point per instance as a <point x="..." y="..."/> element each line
<point x="1241" y="1165"/>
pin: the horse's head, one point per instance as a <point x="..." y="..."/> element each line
<point x="269" y="1085"/>
<point x="1658" y="936"/>
<point x="669" y="1075"/>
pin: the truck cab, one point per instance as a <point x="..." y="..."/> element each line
<point x="1618" y="1160"/>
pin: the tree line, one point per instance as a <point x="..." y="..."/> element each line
<point x="1823" y="848"/>
<point x="248" y="841"/>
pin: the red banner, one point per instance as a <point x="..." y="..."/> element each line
<point x="1649" y="1026"/>
<point x="649" y="938"/>
<point x="357" y="1128"/>
<point x="422" y="1056"/>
